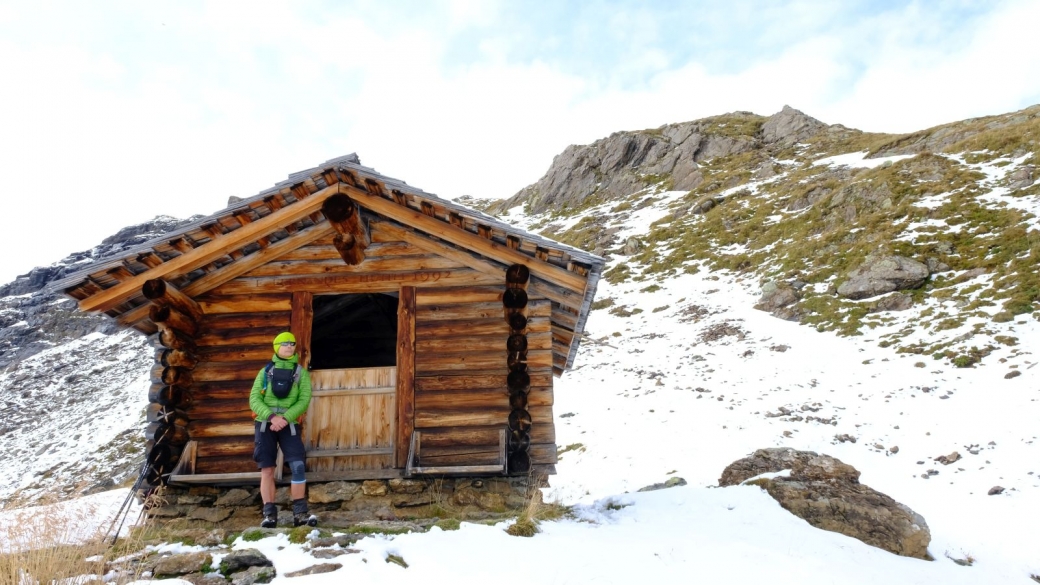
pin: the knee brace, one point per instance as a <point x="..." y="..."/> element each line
<point x="297" y="468"/>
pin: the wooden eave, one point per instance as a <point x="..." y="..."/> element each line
<point x="215" y="249"/>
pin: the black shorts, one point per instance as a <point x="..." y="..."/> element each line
<point x="265" y="445"/>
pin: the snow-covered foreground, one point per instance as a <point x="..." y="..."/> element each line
<point x="684" y="391"/>
<point x="733" y="535"/>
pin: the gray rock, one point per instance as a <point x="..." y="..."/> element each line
<point x="632" y="246"/>
<point x="333" y="491"/>
<point x="183" y="564"/>
<point x="935" y="265"/>
<point x="204" y="579"/>
<point x="1012" y="374"/>
<point x="239" y="560"/>
<point x="1022" y="177"/>
<point x="827" y="494"/>
<point x="672" y="482"/>
<point x="893" y="302"/>
<point x="236" y="497"/>
<point x="210" y="514"/>
<point x="316" y="570"/>
<point x="253" y="575"/>
<point x="883" y="274"/>
<point x="780" y="300"/>
<point x="995" y="491"/>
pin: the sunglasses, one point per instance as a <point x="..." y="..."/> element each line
<point x="288" y="344"/>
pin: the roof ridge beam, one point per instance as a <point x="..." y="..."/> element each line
<point x="209" y="251"/>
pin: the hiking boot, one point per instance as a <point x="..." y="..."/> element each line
<point x="270" y="516"/>
<point x="301" y="514"/>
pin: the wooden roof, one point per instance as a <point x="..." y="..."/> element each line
<point x="215" y="249"/>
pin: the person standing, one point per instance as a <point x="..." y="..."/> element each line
<point x="281" y="394"/>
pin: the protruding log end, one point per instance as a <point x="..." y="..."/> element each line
<point x="518" y="274"/>
<point x="339" y="208"/>
<point x="514" y="298"/>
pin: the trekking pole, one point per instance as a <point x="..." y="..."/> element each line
<point x="124" y="510"/>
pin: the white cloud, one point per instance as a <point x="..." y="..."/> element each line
<point x="118" y="117"/>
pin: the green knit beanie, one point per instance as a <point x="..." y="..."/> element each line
<point x="282" y="337"/>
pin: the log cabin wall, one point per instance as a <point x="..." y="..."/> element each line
<point x="460" y="396"/>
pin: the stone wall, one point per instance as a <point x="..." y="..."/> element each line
<point x="346" y="503"/>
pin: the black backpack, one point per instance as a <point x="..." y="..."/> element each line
<point x="280" y="380"/>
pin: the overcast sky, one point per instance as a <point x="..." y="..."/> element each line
<point x="114" y="112"/>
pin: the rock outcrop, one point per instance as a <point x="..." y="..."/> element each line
<point x="883" y="274"/>
<point x="826" y="493"/>
<point x="625" y="162"/>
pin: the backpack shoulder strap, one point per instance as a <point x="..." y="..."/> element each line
<point x="267" y="374"/>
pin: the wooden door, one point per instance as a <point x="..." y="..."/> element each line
<point x="351" y="421"/>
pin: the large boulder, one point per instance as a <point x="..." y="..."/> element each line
<point x="883" y="274"/>
<point x="826" y="493"/>
<point x="780" y="300"/>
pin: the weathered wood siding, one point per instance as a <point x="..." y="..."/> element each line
<point x="461" y="397"/>
<point x="460" y="394"/>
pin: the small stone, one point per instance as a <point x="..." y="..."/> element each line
<point x="253" y="575"/>
<point x="407" y="486"/>
<point x="176" y="565"/>
<point x="235" y="497"/>
<point x="333" y="491"/>
<point x="316" y="570"/>
<point x="948" y="459"/>
<point x="894" y="449"/>
<point x="1012" y="374"/>
<point x="242" y="559"/>
<point x="374" y="487"/>
<point x="210" y="514"/>
<point x="995" y="490"/>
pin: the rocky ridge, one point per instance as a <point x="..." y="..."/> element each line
<point x="63" y="369"/>
<point x="828" y="219"/>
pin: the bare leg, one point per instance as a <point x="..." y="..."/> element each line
<point x="267" y="485"/>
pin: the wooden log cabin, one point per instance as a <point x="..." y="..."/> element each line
<point x="433" y="332"/>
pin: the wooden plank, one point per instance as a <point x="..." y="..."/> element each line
<point x="254" y="336"/>
<point x="209" y="252"/>
<point x="253" y="477"/>
<point x="461" y="327"/>
<point x="460" y="310"/>
<point x="478" y="398"/>
<point x="451" y="456"/>
<point x="433" y="364"/>
<point x="466" y="343"/>
<point x="325" y="251"/>
<point x="258" y="258"/>
<point x="301" y="321"/>
<point x="378" y="264"/>
<point x="462" y="256"/>
<point x="225" y="447"/>
<point x="355" y="391"/>
<point x="459" y="294"/>
<point x="478" y="417"/>
<point x="406" y="336"/>
<point x="450" y="233"/>
<point x="462" y="382"/>
<point x="246" y="303"/>
<point x="353" y="452"/>
<point x="209" y="372"/>
<point x="234" y="353"/>
<point x="542" y="454"/>
<point x="244" y="320"/>
<point x="206" y="429"/>
<point x="357" y="282"/>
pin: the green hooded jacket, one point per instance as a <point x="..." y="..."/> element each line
<point x="265" y="403"/>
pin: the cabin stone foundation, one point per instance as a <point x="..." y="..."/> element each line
<point x="346" y="503"/>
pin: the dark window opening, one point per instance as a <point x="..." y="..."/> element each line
<point x="354" y="331"/>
